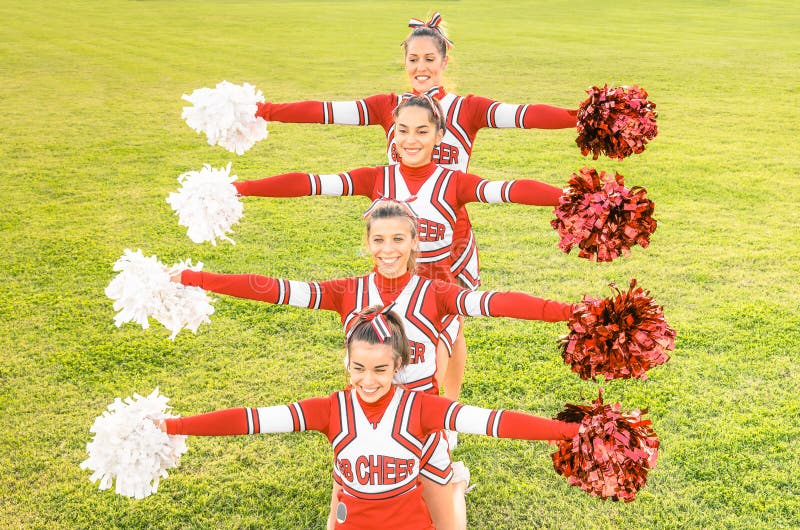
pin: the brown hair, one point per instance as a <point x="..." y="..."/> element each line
<point x="435" y="114"/>
<point x="389" y="209"/>
<point x="361" y="330"/>
<point x="425" y="31"/>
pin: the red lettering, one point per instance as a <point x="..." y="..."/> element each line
<point x="343" y="465"/>
<point x="430" y="230"/>
<point x="417" y="352"/>
<point x="445" y="154"/>
<point x="377" y="469"/>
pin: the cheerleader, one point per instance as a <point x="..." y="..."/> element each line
<point x="434" y="194"/>
<point x="378" y="430"/>
<point x="425" y="307"/>
<point x="425" y="61"/>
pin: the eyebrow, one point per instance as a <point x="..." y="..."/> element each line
<point x="399" y="124"/>
<point x="359" y="365"/>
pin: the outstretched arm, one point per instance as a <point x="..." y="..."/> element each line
<point x="438" y="412"/>
<point x="308" y="414"/>
<point x="484" y="112"/>
<point x="472" y="188"/>
<point x="357" y="182"/>
<point x="454" y="300"/>
<point x="311" y="295"/>
<point x="374" y="110"/>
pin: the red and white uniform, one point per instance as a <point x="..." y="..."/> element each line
<point x="433" y="193"/>
<point x="465" y="116"/>
<point x="378" y="447"/>
<point x="423" y="304"/>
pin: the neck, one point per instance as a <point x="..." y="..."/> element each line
<point x="374" y="411"/>
<point x="424" y="170"/>
<point x="389" y="288"/>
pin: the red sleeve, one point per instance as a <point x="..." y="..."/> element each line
<point x="548" y="117"/>
<point x="480" y="113"/>
<point x="454" y="300"/>
<point x="436" y="410"/>
<point x="373" y="110"/>
<point x="314" y="414"/>
<point x="535" y="193"/>
<point x="520" y="305"/>
<point x="359" y="181"/>
<point x="266" y="289"/>
<point x="472" y="188"/>
<point x="219" y="423"/>
<point x="380" y="109"/>
<point x="528" y="427"/>
<point x="298" y="112"/>
<point x="286" y="185"/>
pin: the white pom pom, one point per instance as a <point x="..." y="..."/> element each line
<point x="207" y="204"/>
<point x="227" y="115"/>
<point x="143" y="289"/>
<point x="129" y="447"/>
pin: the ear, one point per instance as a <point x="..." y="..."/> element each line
<point x="444" y="62"/>
<point x="439" y="136"/>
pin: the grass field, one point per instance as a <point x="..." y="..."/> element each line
<point x="92" y="143"/>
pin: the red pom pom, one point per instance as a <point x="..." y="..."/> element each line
<point x="617" y="121"/>
<point x="618" y="337"/>
<point x="603" y="217"/>
<point x="612" y="452"/>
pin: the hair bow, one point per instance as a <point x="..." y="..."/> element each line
<point x="377" y="320"/>
<point x="433" y="23"/>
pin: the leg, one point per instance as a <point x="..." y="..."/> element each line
<point x="442" y="361"/>
<point x="454" y="376"/>
<point x="439" y="499"/>
<point x="334" y="502"/>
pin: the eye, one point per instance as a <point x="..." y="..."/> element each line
<point x="399" y="239"/>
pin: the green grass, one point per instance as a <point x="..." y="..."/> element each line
<point x="92" y="142"/>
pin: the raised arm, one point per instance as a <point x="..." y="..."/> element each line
<point x="308" y="414"/>
<point x="482" y="112"/>
<point x="374" y="110"/>
<point x="311" y="295"/>
<point x="472" y="188"/>
<point x="454" y="300"/>
<point x="438" y="412"/>
<point x="357" y="182"/>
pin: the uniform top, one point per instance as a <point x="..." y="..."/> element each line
<point x="425" y="306"/>
<point x="378" y="447"/>
<point x="434" y="194"/>
<point x="464" y="115"/>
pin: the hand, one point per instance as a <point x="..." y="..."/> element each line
<point x="262" y="110"/>
<point x="161" y="424"/>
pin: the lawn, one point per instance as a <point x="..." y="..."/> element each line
<point x="92" y="143"/>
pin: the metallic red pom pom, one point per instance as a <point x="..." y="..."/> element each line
<point x="603" y="217"/>
<point x="612" y="452"/>
<point x="619" y="337"/>
<point x="617" y="121"/>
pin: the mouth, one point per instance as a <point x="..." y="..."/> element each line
<point x="388" y="261"/>
<point x="369" y="391"/>
<point x="422" y="78"/>
<point x="411" y="151"/>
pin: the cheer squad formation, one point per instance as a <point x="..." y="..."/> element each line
<point x="394" y="427"/>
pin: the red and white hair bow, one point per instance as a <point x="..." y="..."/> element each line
<point x="433" y="23"/>
<point x="378" y="321"/>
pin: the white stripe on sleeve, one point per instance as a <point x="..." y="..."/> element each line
<point x="275" y="419"/>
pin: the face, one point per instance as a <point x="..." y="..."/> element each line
<point x="390" y="243"/>
<point x="372" y="368"/>
<point x="415" y="136"/>
<point x="424" y="63"/>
